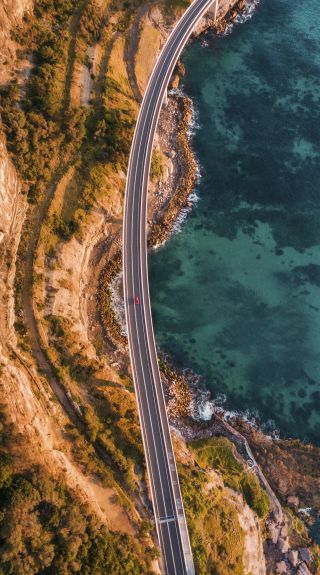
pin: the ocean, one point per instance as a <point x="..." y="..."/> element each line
<point x="236" y="293"/>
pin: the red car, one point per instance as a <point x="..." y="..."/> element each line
<point x="136" y="300"/>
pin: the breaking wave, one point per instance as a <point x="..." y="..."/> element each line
<point x="245" y="15"/>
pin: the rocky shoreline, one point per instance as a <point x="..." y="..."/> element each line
<point x="284" y="554"/>
<point x="286" y="551"/>
<point x="174" y="195"/>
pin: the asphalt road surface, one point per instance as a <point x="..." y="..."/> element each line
<point x="176" y="555"/>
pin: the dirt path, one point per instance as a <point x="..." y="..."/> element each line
<point x="74" y="27"/>
<point x="98" y="85"/>
<point x="86" y="85"/>
<point x="246" y="452"/>
<point x="26" y="293"/>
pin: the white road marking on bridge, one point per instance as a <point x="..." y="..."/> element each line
<point x="167" y="519"/>
<point x="155" y="391"/>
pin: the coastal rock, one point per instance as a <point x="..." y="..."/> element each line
<point x="180" y="68"/>
<point x="303" y="569"/>
<point x="282" y="568"/>
<point x="293" y="557"/>
<point x="293" y="501"/>
<point x="283" y="545"/>
<point x="174" y="81"/>
<point x="305" y="555"/>
<point x="274" y="533"/>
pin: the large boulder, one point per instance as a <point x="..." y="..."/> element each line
<point x="274" y="533"/>
<point x="282" y="568"/>
<point x="293" y="501"/>
<point x="283" y="545"/>
<point x="293" y="557"/>
<point x="303" y="569"/>
<point x="305" y="555"/>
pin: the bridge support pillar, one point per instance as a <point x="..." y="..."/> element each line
<point x="213" y="9"/>
<point x="165" y="98"/>
<point x="216" y="9"/>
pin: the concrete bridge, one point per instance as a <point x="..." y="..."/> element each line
<point x="170" y="520"/>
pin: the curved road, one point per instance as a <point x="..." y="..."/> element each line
<point x="165" y="490"/>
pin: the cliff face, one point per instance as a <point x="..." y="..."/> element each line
<point x="12" y="213"/>
<point x="11" y="14"/>
<point x="12" y="204"/>
<point x="10" y="187"/>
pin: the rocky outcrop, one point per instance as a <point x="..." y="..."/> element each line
<point x="253" y="556"/>
<point x="10" y="188"/>
<point x="12" y="213"/>
<point x="11" y="15"/>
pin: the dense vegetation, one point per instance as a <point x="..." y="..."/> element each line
<point x="171" y="5"/>
<point x="112" y="420"/>
<point x="33" y="125"/>
<point x="217" y="453"/>
<point x="216" y="536"/>
<point x="45" y="530"/>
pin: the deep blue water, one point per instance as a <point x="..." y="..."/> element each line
<point x="236" y="294"/>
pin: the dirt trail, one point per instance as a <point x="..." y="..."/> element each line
<point x="98" y="85"/>
<point x="35" y="222"/>
<point x="74" y="27"/>
<point x="86" y="85"/>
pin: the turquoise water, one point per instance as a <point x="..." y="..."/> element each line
<point x="236" y="294"/>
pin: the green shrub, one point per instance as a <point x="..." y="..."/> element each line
<point x="44" y="530"/>
<point x="5" y="469"/>
<point x="256" y="498"/>
<point x="217" y="453"/>
<point x="65" y="229"/>
<point x="156" y="170"/>
<point x="217" y="538"/>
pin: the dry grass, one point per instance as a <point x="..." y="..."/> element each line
<point x="149" y="46"/>
<point x="117" y="68"/>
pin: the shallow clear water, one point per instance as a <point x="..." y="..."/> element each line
<point x="236" y="294"/>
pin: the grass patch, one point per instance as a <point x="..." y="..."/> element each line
<point x="45" y="529"/>
<point x="217" y="538"/>
<point x="148" y="48"/>
<point x="217" y="453"/>
<point x="117" y="68"/>
<point x="175" y="7"/>
<point x="156" y="168"/>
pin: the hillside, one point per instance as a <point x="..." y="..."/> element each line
<point x="74" y="495"/>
